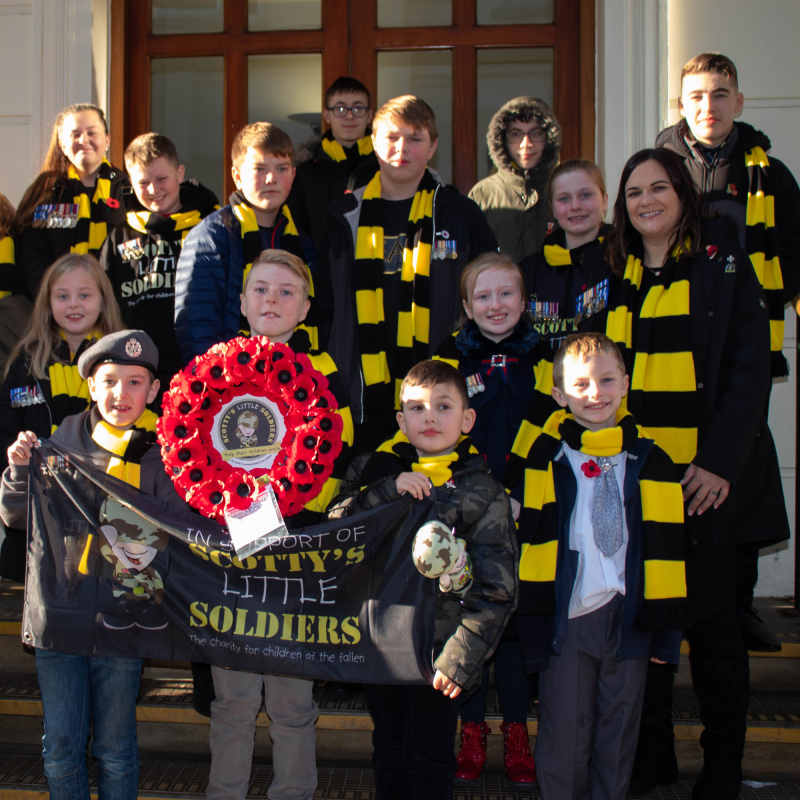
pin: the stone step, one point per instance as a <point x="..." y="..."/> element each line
<point x="165" y="776"/>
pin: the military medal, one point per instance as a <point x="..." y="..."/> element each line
<point x="592" y="301"/>
<point x="475" y="384"/>
<point x="131" y="250"/>
<point x="543" y="312"/>
<point x="26" y="396"/>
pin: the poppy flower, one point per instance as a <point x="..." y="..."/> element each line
<point x="187" y="452"/>
<point x="711" y="250"/>
<point x="112" y="203"/>
<point x="321" y="472"/>
<point x="282" y="374"/>
<point x="211" y="369"/>
<point x="240" y="359"/>
<point x="300" y="394"/>
<point x="590" y="469"/>
<point x="171" y="430"/>
<point x="241" y="488"/>
<point x="208" y="497"/>
<point x="329" y="450"/>
<point x="181" y="404"/>
<point x="190" y="477"/>
<point x="279" y="352"/>
<point x="305" y="443"/>
<point x="328" y="423"/>
<point x="325" y="399"/>
<point x="261" y="369"/>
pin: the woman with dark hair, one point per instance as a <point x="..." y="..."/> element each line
<point x="76" y="198"/>
<point x="688" y="313"/>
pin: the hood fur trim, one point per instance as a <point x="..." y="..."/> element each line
<point x="524" y="109"/>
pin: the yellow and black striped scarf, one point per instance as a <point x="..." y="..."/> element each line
<point x="70" y="392"/>
<point x="92" y="227"/>
<point x="398" y="455"/>
<point x="662" y="396"/>
<point x="382" y="379"/>
<point x="557" y="255"/>
<point x="661" y="502"/>
<point x="7" y="272"/>
<point x="337" y="153"/>
<point x="762" y="247"/>
<point x="127" y="447"/>
<point x="252" y="246"/>
<point x="325" y="364"/>
<point x="182" y="222"/>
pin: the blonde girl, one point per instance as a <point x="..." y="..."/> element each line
<point x="75" y="200"/>
<point x="563" y="291"/>
<point x="74" y="307"/>
<point x="496" y="350"/>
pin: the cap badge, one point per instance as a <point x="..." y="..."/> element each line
<point x="133" y="348"/>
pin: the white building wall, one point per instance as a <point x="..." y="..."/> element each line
<point x="641" y="47"/>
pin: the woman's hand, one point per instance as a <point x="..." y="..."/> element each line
<point x="444" y="685"/>
<point x="704" y="488"/>
<point x="19" y="454"/>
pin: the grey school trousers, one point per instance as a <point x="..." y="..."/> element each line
<point x="590" y="706"/>
<point x="292" y="712"/>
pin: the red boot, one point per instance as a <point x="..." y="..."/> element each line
<point x="472" y="753"/>
<point x="517" y="758"/>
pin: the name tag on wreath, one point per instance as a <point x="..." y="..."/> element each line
<point x="252" y="528"/>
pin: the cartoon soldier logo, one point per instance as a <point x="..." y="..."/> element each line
<point x="246" y="427"/>
<point x="129" y="544"/>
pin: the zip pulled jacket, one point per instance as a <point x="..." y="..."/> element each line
<point x="468" y="629"/>
<point x="543" y="636"/>
<point x="141" y="267"/>
<point x="456" y="220"/>
<point x="208" y="281"/>
<point x="515" y="200"/>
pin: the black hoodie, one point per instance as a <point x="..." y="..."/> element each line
<point x="515" y="200"/>
<point x="143" y="272"/>
<point x="723" y="183"/>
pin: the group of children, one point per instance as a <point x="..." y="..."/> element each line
<point x="576" y="525"/>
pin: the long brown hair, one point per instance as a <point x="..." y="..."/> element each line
<point x="56" y="165"/>
<point x="43" y="336"/>
<point x="623" y="237"/>
<point x="7" y="214"/>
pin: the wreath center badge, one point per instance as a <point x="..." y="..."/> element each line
<point x="247" y="413"/>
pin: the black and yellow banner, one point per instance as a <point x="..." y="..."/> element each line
<point x="116" y="572"/>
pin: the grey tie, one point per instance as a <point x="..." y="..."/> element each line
<point x="607" y="509"/>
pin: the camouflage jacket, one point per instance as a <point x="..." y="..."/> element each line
<point x="475" y="504"/>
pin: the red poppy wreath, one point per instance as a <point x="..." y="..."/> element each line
<point x="247" y="412"/>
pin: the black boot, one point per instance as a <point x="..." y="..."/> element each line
<point x="721" y="778"/>
<point x="655" y="761"/>
<point x="757" y="636"/>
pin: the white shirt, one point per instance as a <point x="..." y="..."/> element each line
<point x="599" y="578"/>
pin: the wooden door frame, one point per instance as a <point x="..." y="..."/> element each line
<point x="352" y="50"/>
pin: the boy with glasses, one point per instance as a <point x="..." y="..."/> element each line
<point x="524" y="140"/>
<point x="339" y="160"/>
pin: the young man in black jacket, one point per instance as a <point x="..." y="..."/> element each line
<point x="342" y="158"/>
<point x="729" y="164"/>
<point x="389" y="267"/>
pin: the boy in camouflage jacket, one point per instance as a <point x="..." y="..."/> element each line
<point x="415" y="725"/>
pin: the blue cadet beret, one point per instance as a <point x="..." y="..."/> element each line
<point x="124" y="347"/>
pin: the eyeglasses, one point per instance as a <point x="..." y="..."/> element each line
<point x="515" y="137"/>
<point x="341" y="111"/>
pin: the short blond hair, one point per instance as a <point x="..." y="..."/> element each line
<point x="283" y="259"/>
<point x="262" y="136"/>
<point x="582" y="346"/>
<point x="145" y="149"/>
<point x="489" y="260"/>
<point x="409" y="109"/>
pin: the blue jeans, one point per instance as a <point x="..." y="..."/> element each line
<point x="79" y="692"/>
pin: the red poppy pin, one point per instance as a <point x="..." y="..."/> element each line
<point x="112" y="203"/>
<point x="711" y="250"/>
<point x="590" y="469"/>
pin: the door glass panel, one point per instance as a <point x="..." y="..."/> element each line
<point x="414" y="13"/>
<point x="515" y="12"/>
<point x="284" y="15"/>
<point x="188" y="16"/>
<point x="427" y="74"/>
<point x="286" y="90"/>
<point x="504" y="75"/>
<point x="186" y="100"/>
